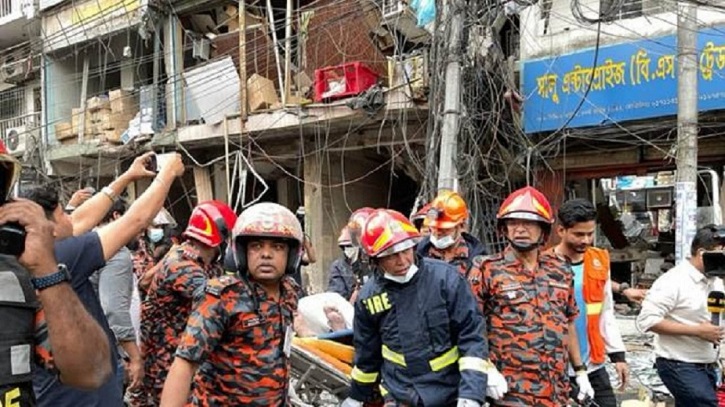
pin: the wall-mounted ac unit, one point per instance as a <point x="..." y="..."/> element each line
<point x="398" y="16"/>
<point x="18" y="140"/>
<point x="18" y="70"/>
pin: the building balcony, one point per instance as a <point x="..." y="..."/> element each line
<point x="15" y="16"/>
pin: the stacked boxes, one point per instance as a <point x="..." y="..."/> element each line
<point x="106" y="117"/>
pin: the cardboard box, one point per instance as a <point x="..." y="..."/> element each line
<point x="111" y="136"/>
<point x="261" y="93"/>
<point x="122" y="101"/>
<point x="76" y="117"/>
<point x="63" y="131"/>
<point x="98" y="103"/>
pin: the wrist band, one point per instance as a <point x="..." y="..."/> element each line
<point x="110" y="194"/>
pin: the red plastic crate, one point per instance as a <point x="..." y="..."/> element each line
<point x="351" y="79"/>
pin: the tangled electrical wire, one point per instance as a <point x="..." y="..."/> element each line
<point x="608" y="11"/>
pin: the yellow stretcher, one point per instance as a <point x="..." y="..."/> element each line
<point x="320" y="366"/>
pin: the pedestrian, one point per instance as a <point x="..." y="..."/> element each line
<point x="418" y="332"/>
<point x="527" y="297"/>
<point x="114" y="287"/>
<point x="178" y="279"/>
<point x="38" y="306"/>
<point x="686" y="342"/>
<point x="237" y="343"/>
<point x="596" y="325"/>
<point x="420" y="220"/>
<point x="448" y="240"/>
<point x="84" y="251"/>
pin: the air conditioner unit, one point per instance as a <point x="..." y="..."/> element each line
<point x="398" y="16"/>
<point x="20" y="70"/>
<point x="17" y="140"/>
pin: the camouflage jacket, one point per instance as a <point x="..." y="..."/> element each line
<point x="237" y="336"/>
<point x="527" y="315"/>
<point x="164" y="312"/>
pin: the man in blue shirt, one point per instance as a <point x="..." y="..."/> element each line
<point x="596" y="325"/>
<point x="85" y="252"/>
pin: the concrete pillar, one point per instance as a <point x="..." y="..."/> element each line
<point x="128" y="69"/>
<point x="174" y="63"/>
<point x="329" y="198"/>
<point x="220" y="182"/>
<point x="286" y="193"/>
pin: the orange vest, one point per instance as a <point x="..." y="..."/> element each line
<point x="596" y="274"/>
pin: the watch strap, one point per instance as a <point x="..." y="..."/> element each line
<point x="50" y="280"/>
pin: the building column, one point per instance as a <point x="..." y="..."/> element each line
<point x="174" y="63"/>
<point x="329" y="199"/>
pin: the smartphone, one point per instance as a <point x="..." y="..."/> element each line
<point x="152" y="164"/>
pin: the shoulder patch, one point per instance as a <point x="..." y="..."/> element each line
<point x="216" y="286"/>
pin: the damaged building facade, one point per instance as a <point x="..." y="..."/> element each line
<point x="332" y="117"/>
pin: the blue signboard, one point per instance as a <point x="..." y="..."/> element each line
<point x="631" y="81"/>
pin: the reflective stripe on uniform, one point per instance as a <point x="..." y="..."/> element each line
<point x="472" y="363"/>
<point x="383" y="391"/>
<point x="444" y="360"/>
<point x="594" y="308"/>
<point x="362" y="377"/>
<point x="392" y="356"/>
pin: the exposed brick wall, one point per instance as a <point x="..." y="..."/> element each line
<point x="260" y="56"/>
<point x="339" y="33"/>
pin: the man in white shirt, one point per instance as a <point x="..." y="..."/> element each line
<point x="676" y="310"/>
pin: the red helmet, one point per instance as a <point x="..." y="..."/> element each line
<point x="344" y="239"/>
<point x="12" y="170"/>
<point x="356" y="223"/>
<point x="388" y="232"/>
<point x="421" y="214"/>
<point x="210" y="223"/>
<point x="528" y="204"/>
<point x="268" y="220"/>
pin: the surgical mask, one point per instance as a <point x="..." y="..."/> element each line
<point x="442" y="242"/>
<point x="404" y="278"/>
<point x="155" y="234"/>
<point x="351" y="253"/>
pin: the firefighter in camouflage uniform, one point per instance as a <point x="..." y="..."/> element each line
<point x="527" y="298"/>
<point x="236" y="347"/>
<point x="447" y="239"/>
<point x="177" y="280"/>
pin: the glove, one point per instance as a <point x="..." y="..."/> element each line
<point x="586" y="391"/>
<point x="468" y="403"/>
<point x="497" y="386"/>
<point x="349" y="402"/>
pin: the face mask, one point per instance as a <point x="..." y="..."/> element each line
<point x="155" y="234"/>
<point x="404" y="278"/>
<point x="442" y="242"/>
<point x="351" y="253"/>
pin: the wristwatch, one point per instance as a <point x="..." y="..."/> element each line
<point x="50" y="280"/>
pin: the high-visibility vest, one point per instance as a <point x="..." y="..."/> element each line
<point x="596" y="274"/>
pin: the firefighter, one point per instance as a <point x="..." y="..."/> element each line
<point x="177" y="280"/>
<point x="448" y="241"/>
<point x="343" y="279"/>
<point x="420" y="220"/>
<point x="596" y="324"/>
<point x="362" y="269"/>
<point x="417" y="328"/>
<point x="238" y="338"/>
<point x="527" y="299"/>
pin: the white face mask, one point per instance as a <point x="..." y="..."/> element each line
<point x="351" y="253"/>
<point x="155" y="234"/>
<point x="442" y="242"/>
<point x="404" y="278"/>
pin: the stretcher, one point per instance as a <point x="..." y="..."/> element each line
<point x="317" y="371"/>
